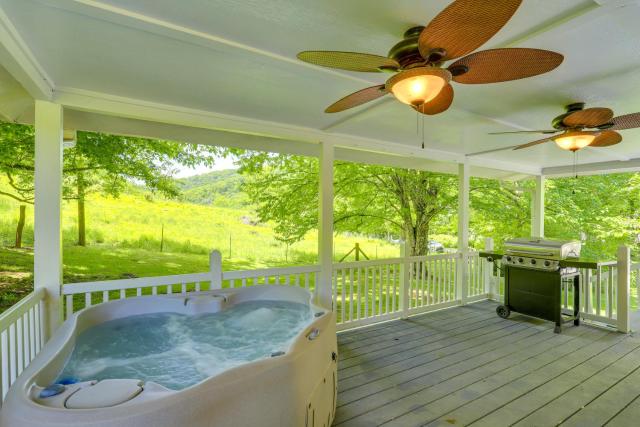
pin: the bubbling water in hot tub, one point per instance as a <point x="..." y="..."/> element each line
<point x="177" y="350"/>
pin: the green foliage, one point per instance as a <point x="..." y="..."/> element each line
<point x="368" y="198"/>
<point x="219" y="188"/>
<point x="499" y="210"/>
<point x="99" y="162"/>
<point x="602" y="210"/>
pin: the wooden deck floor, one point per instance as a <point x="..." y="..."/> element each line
<point x="466" y="366"/>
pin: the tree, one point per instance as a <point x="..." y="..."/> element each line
<point x="368" y="198"/>
<point x="98" y="163"/>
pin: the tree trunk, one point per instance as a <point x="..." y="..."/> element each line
<point x="82" y="233"/>
<point x="20" y="228"/>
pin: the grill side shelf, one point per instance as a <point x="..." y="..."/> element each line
<point x="583" y="263"/>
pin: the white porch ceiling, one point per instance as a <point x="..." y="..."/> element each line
<point x="226" y="65"/>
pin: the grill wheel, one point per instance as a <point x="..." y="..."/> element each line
<point x="503" y="311"/>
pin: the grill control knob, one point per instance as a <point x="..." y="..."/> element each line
<point x="509" y="259"/>
<point x="521" y="260"/>
<point x="547" y="263"/>
<point x="533" y="262"/>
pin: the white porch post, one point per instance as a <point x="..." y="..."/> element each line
<point x="537" y="208"/>
<point x="324" y="292"/>
<point x="47" y="269"/>
<point x="405" y="301"/>
<point x="463" y="231"/>
<point x="624" y="283"/>
<point x="487" y="270"/>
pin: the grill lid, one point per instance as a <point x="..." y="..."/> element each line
<point x="543" y="248"/>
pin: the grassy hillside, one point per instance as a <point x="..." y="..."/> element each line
<point x="124" y="236"/>
<point x="219" y="188"/>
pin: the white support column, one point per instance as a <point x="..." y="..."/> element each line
<point x="215" y="267"/>
<point x="47" y="209"/>
<point x="488" y="269"/>
<point x="462" y="282"/>
<point x="404" y="303"/>
<point x="537" y="208"/>
<point x="324" y="291"/>
<point x="624" y="283"/>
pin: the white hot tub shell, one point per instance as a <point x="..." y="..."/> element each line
<point x="295" y="389"/>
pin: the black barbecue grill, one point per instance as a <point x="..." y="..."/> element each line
<point x="534" y="271"/>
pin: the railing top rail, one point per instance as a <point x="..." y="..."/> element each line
<point x="608" y="263"/>
<point x="140" y="282"/>
<point x="260" y="272"/>
<point x="450" y="255"/>
<point x="17" y="310"/>
<point x="368" y="263"/>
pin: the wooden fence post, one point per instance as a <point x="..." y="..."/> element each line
<point x="215" y="266"/>
<point x="624" y="276"/>
<point x="405" y="302"/>
<point x="488" y="270"/>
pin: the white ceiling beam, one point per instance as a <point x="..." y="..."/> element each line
<point x="632" y="165"/>
<point x="604" y="152"/>
<point x="82" y="120"/>
<point x="154" y="112"/>
<point x="17" y="58"/>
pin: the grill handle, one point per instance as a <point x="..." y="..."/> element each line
<point x="519" y="252"/>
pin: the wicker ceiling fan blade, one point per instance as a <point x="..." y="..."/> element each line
<point x="501" y="65"/>
<point x="590" y="118"/>
<point x="531" y="144"/>
<point x="628" y="121"/>
<point x="547" y="131"/>
<point x="439" y="104"/>
<point x="465" y="25"/>
<point x="357" y="98"/>
<point x="351" y="61"/>
<point x="606" y="139"/>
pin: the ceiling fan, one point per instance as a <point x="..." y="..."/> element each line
<point x="420" y="78"/>
<point x="580" y="127"/>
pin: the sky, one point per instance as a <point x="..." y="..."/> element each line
<point x="221" y="163"/>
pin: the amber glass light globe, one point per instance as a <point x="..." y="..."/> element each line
<point x="574" y="140"/>
<point x="418" y="86"/>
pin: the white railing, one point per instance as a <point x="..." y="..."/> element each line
<point x="477" y="277"/>
<point x="21" y="337"/>
<point x="366" y="292"/>
<point x="598" y="293"/>
<point x="363" y="291"/>
<point x="80" y="295"/>
<point x="304" y="276"/>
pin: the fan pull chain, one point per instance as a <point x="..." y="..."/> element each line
<point x="575" y="171"/>
<point x="423" y="132"/>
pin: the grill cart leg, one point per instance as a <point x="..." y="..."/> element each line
<point x="576" y="300"/>
<point x="557" y="307"/>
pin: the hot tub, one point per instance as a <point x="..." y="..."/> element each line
<point x="258" y="356"/>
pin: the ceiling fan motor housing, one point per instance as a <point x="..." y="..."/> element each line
<point x="406" y="51"/>
<point x="557" y="123"/>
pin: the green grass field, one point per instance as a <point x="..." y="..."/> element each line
<point x="124" y="238"/>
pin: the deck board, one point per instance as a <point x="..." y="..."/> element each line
<point x="466" y="366"/>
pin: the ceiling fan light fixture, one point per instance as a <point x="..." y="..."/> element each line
<point x="574" y="140"/>
<point x="418" y="86"/>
